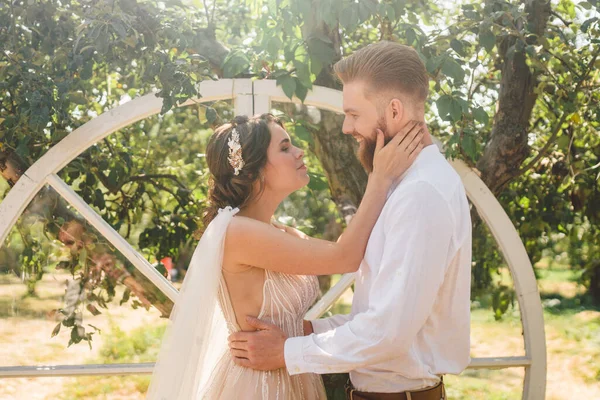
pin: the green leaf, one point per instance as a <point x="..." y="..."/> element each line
<point x="289" y="52"/>
<point x="77" y="98"/>
<point x="303" y="73"/>
<point x="301" y="90"/>
<point x="321" y="53"/>
<point x="433" y="64"/>
<point x="443" y="105"/>
<point x="303" y="134"/>
<point x="456" y="110"/>
<point x="125" y="297"/>
<point x="274" y="45"/>
<point x="487" y="40"/>
<point x="469" y="146"/>
<point x="75" y="337"/>
<point x="113" y="178"/>
<point x="119" y="28"/>
<point x="69" y="322"/>
<point x="288" y="84"/>
<point x="99" y="199"/>
<point x="317" y="182"/>
<point x="279" y="73"/>
<point x="56" y="330"/>
<point x="22" y="149"/>
<point x="235" y="63"/>
<point x="458" y="47"/>
<point x="303" y="8"/>
<point x="411" y="36"/>
<point x="102" y="42"/>
<point x="585" y="5"/>
<point x="399" y="7"/>
<point x="83" y="257"/>
<point x="87" y="71"/>
<point x="329" y="11"/>
<point x="464" y="105"/>
<point x="563" y="143"/>
<point x="471" y="14"/>
<point x="93" y="310"/>
<point x="480" y="115"/>
<point x="349" y="17"/>
<point x="586" y="24"/>
<point x="211" y="115"/>
<point x="453" y="69"/>
<point x="449" y="108"/>
<point x="387" y="10"/>
<point x="366" y="8"/>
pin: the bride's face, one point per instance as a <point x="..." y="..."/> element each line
<point x="285" y="171"/>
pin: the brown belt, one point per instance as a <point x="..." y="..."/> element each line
<point x="437" y="392"/>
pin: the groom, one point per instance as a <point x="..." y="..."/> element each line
<point x="410" y="317"/>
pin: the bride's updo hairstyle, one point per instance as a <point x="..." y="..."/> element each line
<point x="226" y="188"/>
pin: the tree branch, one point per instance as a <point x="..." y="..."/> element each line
<point x="558" y="125"/>
<point x="507" y="147"/>
<point x="557" y="15"/>
<point x="146" y="177"/>
<point x="208" y="21"/>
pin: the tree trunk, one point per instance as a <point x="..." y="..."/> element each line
<point x="507" y="148"/>
<point x="346" y="176"/>
<point x="336" y="151"/>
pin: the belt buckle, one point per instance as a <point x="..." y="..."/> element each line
<point x="350" y="390"/>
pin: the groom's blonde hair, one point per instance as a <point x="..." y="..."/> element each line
<point x="386" y="66"/>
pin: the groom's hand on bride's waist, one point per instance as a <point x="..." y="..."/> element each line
<point x="261" y="349"/>
<point x="307" y="326"/>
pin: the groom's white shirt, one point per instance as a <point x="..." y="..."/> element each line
<point x="410" y="318"/>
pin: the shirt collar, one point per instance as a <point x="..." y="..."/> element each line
<point x="427" y="153"/>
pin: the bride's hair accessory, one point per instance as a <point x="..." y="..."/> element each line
<point x="235" y="152"/>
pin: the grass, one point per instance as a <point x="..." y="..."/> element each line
<point x="127" y="335"/>
<point x="139" y="345"/>
<point x="572" y="327"/>
<point x="486" y="384"/>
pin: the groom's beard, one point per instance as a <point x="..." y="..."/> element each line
<point x="366" y="149"/>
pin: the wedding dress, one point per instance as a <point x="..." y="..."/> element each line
<point x="194" y="361"/>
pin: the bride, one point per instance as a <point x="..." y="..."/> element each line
<point x="250" y="265"/>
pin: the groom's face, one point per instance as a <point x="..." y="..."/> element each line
<point x="362" y="119"/>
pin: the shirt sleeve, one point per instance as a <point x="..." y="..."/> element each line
<point x="327" y="324"/>
<point x="418" y="238"/>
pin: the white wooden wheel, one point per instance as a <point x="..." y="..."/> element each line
<point x="254" y="97"/>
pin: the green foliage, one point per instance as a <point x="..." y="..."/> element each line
<point x="139" y="345"/>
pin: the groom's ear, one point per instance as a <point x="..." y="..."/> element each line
<point x="396" y="110"/>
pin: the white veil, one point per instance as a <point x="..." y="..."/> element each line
<point x="197" y="335"/>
